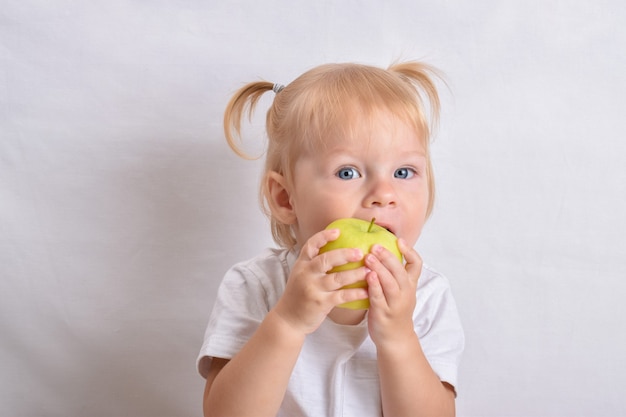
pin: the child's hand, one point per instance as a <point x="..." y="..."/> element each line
<point x="392" y="289"/>
<point x="311" y="293"/>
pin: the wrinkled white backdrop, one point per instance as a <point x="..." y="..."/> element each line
<point x="121" y="206"/>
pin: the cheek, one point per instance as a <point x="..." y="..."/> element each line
<point x="316" y="216"/>
<point x="413" y="231"/>
<point x="420" y="195"/>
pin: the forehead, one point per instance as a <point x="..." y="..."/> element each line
<point x="358" y="126"/>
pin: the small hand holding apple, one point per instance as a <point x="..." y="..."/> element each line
<point x="311" y="293"/>
<point x="364" y="235"/>
<point x="392" y="293"/>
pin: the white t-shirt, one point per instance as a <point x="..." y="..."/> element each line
<point x="336" y="372"/>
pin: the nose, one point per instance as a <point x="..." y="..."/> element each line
<point x="381" y="193"/>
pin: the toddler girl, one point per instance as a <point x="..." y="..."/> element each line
<point x="345" y="141"/>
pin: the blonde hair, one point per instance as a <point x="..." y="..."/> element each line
<point x="321" y="102"/>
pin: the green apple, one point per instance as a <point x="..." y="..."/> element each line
<point x="361" y="234"/>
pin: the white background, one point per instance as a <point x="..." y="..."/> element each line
<point x="121" y="206"/>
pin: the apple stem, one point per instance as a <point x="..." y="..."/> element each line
<point x="371" y="224"/>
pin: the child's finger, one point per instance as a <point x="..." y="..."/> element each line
<point x="389" y="264"/>
<point x="413" y="260"/>
<point x="312" y="246"/>
<point x="379" y="262"/>
<point x="375" y="291"/>
<point x="337" y="280"/>
<point x="339" y="257"/>
<point x="349" y="294"/>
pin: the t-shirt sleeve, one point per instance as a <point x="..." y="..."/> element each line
<point x="239" y="308"/>
<point x="438" y="326"/>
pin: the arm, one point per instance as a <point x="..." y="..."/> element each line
<point x="254" y="381"/>
<point x="408" y="384"/>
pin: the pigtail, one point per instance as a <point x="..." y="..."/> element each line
<point x="246" y="98"/>
<point x="421" y="76"/>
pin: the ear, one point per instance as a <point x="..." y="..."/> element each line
<point x="279" y="198"/>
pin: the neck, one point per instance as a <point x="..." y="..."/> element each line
<point x="346" y="316"/>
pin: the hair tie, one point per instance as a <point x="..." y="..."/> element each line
<point x="277" y="88"/>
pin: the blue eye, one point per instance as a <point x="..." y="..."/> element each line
<point x="404" y="173"/>
<point x="348" y="173"/>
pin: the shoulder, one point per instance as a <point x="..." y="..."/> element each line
<point x="271" y="262"/>
<point x="438" y="325"/>
<point x="265" y="273"/>
<point x="431" y="280"/>
<point x="435" y="301"/>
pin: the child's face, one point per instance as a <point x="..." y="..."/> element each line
<point x="381" y="173"/>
